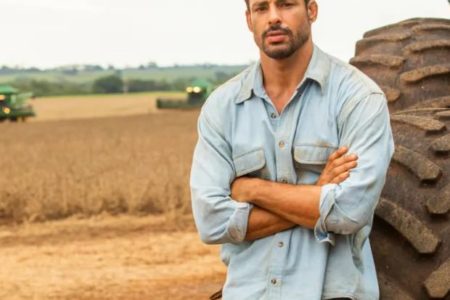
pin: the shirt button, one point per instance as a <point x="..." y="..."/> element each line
<point x="280" y="244"/>
<point x="273" y="115"/>
<point x="273" y="281"/>
<point x="281" y="144"/>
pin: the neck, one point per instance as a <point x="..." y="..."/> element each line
<point x="285" y="74"/>
<point x="282" y="76"/>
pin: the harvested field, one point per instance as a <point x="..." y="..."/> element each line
<point x="99" y="208"/>
<point x="135" y="164"/>
<point x="94" y="106"/>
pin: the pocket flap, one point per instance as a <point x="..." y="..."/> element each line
<point x="249" y="162"/>
<point x="314" y="155"/>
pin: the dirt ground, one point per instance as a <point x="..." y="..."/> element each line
<point x="107" y="258"/>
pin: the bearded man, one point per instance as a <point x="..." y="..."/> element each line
<point x="290" y="162"/>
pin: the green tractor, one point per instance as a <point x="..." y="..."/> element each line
<point x="13" y="105"/>
<point x="197" y="93"/>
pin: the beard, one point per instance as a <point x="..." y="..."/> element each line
<point x="282" y="51"/>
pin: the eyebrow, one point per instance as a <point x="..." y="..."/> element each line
<point x="264" y="2"/>
<point x="259" y="3"/>
<point x="283" y="1"/>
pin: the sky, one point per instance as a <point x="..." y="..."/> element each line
<point x="50" y="33"/>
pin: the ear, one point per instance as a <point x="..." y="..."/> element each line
<point x="248" y="17"/>
<point x="312" y="10"/>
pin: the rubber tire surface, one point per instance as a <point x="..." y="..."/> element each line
<point x="410" y="60"/>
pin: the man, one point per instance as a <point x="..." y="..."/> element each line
<point x="272" y="180"/>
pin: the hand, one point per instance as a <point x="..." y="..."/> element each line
<point x="338" y="167"/>
<point x="242" y="188"/>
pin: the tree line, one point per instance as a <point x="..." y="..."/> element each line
<point x="109" y="84"/>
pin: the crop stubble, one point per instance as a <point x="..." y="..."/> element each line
<point x="95" y="106"/>
<point x="135" y="164"/>
<point x="83" y="171"/>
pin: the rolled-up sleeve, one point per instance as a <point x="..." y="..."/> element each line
<point x="348" y="208"/>
<point x="219" y="219"/>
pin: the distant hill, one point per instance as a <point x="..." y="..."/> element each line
<point x="85" y="74"/>
<point x="83" y="79"/>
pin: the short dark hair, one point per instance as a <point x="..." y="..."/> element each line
<point x="248" y="4"/>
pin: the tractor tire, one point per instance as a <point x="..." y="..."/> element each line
<point x="409" y="60"/>
<point x="410" y="239"/>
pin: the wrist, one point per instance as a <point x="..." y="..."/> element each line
<point x="320" y="181"/>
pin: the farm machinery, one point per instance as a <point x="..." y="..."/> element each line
<point x="410" y="61"/>
<point x="197" y="92"/>
<point x="13" y="105"/>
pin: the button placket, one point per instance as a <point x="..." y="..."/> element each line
<point x="283" y="155"/>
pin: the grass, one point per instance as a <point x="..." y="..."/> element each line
<point x="119" y="165"/>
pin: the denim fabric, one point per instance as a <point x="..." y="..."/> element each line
<point x="241" y="134"/>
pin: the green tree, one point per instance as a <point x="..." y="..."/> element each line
<point x="108" y="84"/>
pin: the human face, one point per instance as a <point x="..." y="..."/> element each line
<point x="281" y="27"/>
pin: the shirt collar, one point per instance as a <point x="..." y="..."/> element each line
<point x="318" y="71"/>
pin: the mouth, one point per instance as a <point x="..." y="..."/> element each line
<point x="276" y="36"/>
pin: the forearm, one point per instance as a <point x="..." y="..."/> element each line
<point x="278" y="207"/>
<point x="298" y="204"/>
<point x="263" y="223"/>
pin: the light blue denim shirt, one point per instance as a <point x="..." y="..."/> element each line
<point x="241" y="134"/>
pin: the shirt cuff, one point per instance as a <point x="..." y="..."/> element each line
<point x="327" y="199"/>
<point x="237" y="226"/>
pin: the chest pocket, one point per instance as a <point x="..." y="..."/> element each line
<point x="251" y="163"/>
<point x="311" y="159"/>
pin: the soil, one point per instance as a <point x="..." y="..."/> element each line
<point x="106" y="257"/>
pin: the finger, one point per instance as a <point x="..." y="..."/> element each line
<point x="344" y="168"/>
<point x="338" y="153"/>
<point x="341" y="178"/>
<point x="343" y="160"/>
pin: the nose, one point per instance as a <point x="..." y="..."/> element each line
<point x="274" y="15"/>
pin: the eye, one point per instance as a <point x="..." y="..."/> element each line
<point x="286" y="4"/>
<point x="260" y="8"/>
